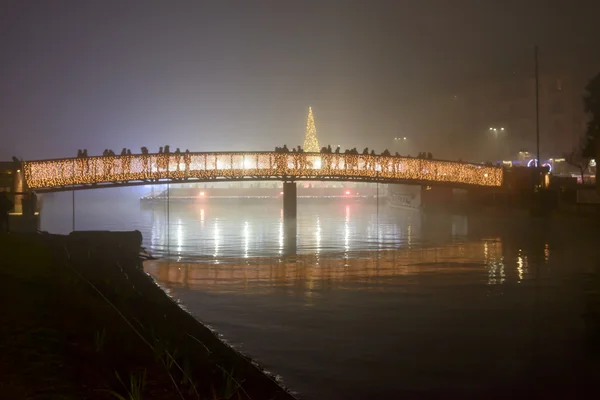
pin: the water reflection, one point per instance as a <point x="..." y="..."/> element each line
<point x="347" y="230"/>
<point x="434" y="304"/>
<point x="197" y="231"/>
<point x="217" y="237"/>
<point x="449" y="304"/>
<point x="246" y="234"/>
<point x="475" y="262"/>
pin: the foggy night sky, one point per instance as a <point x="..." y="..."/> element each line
<point x="240" y="75"/>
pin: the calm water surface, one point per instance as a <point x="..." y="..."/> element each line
<point x="376" y="302"/>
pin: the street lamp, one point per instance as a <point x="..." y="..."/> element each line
<point x="496" y="131"/>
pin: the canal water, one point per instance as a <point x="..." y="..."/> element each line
<point x="376" y="302"/>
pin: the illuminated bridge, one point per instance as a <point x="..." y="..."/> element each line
<point x="144" y="169"/>
<point x="79" y="173"/>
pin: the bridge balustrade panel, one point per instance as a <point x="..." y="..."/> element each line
<point x="65" y="173"/>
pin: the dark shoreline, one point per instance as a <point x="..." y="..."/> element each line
<point x="82" y="319"/>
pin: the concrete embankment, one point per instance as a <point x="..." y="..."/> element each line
<point x="82" y="320"/>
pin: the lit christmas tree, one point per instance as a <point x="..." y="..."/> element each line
<point x="311" y="143"/>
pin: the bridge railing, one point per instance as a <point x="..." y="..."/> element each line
<point x="70" y="172"/>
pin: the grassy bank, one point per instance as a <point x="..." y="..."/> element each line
<point x="81" y="320"/>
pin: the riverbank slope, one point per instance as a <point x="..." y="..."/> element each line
<point x="81" y="320"/>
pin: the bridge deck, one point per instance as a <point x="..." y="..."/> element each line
<point x="72" y="173"/>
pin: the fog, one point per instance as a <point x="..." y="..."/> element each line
<point x="230" y="75"/>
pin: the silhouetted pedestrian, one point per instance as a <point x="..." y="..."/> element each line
<point x="187" y="159"/>
<point x="145" y="160"/>
<point x="84" y="154"/>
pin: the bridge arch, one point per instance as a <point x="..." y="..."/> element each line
<point x="144" y="169"/>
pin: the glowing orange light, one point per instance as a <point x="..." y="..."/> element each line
<point x="347" y="192"/>
<point x="201" y="193"/>
<point x="65" y="173"/>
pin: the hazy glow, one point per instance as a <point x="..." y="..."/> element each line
<point x="317" y="162"/>
<point x="249" y="163"/>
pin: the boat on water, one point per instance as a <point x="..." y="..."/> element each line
<point x="406" y="197"/>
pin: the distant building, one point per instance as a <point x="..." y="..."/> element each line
<point x="7" y="176"/>
<point x="7" y="179"/>
<point x="497" y="120"/>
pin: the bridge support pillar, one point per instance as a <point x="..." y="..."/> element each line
<point x="24" y="216"/>
<point x="290" y="235"/>
<point x="289" y="200"/>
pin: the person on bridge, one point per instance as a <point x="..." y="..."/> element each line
<point x="187" y="159"/>
<point x="178" y="158"/>
<point x="126" y="163"/>
<point x="5" y="206"/>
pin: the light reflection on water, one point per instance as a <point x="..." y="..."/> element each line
<point x="260" y="230"/>
<point x="376" y="306"/>
<point x="267" y="274"/>
<point x="462" y="317"/>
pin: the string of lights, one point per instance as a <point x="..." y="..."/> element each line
<point x="267" y="165"/>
